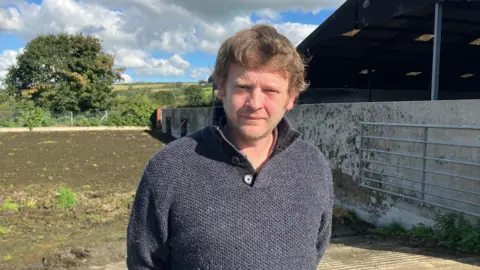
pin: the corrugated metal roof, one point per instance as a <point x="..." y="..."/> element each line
<point x="395" y="37"/>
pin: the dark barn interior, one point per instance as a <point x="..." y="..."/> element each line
<point x="374" y="50"/>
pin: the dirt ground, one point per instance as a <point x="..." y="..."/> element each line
<point x="102" y="168"/>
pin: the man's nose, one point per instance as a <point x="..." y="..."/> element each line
<point x="255" y="99"/>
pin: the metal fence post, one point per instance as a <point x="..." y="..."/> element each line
<point x="437" y="43"/>
<point x="361" y="151"/>
<point x="424" y="166"/>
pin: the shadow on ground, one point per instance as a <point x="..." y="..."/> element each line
<point x="361" y="239"/>
<point x="161" y="136"/>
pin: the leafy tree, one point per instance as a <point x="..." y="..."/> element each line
<point x="29" y="115"/>
<point x="64" y="73"/>
<point x="164" y="98"/>
<point x="194" y="95"/>
<point x="134" y="112"/>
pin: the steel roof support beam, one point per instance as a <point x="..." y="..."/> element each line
<point x="436" y="49"/>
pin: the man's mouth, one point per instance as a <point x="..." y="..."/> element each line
<point x="253" y="118"/>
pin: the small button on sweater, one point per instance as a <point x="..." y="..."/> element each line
<point x="200" y="204"/>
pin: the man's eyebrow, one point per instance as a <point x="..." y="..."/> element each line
<point x="243" y="80"/>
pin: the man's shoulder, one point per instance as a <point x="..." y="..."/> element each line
<point x="310" y="151"/>
<point x="179" y="148"/>
<point x="181" y="152"/>
<point x="317" y="165"/>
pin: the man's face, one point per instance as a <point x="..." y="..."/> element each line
<point x="255" y="101"/>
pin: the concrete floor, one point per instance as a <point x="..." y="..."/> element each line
<point x="362" y="253"/>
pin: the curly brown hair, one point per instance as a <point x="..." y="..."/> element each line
<point x="261" y="47"/>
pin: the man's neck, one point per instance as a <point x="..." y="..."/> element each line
<point x="256" y="151"/>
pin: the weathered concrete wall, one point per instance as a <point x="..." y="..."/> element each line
<point x="335" y="129"/>
<point x="197" y="118"/>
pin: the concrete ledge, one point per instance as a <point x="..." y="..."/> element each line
<point x="50" y="129"/>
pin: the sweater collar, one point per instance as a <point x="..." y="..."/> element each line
<point x="285" y="135"/>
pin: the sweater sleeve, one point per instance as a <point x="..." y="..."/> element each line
<point x="147" y="229"/>
<point x="325" y="230"/>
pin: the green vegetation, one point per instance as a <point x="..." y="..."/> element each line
<point x="343" y="215"/>
<point x="64" y="73"/>
<point x="9" y="205"/>
<point x="67" y="80"/>
<point x="4" y="231"/>
<point x="7" y="257"/>
<point x="66" y="198"/>
<point x="195" y="95"/>
<point x="450" y="231"/>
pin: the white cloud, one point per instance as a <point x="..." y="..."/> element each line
<point x="178" y="62"/>
<point x="72" y="17"/>
<point x="130" y="58"/>
<point x="296" y="32"/>
<point x="267" y="14"/>
<point x="175" y="26"/>
<point x="133" y="29"/>
<point x="146" y="66"/>
<point x="126" y="78"/>
<point x="8" y="58"/>
<point x="10" y="20"/>
<point x="200" y="73"/>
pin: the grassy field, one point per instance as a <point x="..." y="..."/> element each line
<point x="155" y="87"/>
<point x="66" y="191"/>
<point x="149" y="89"/>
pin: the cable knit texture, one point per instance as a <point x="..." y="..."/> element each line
<point x="194" y="210"/>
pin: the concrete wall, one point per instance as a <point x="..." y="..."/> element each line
<point x="197" y="118"/>
<point x="335" y="129"/>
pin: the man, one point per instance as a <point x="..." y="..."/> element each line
<point x="247" y="193"/>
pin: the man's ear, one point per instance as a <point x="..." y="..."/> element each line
<point x="291" y="100"/>
<point x="221" y="90"/>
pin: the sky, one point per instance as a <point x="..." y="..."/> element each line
<point x="155" y="40"/>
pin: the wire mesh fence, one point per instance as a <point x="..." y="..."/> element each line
<point x="53" y="119"/>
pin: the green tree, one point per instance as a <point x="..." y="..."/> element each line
<point x="134" y="112"/>
<point x="29" y="115"/>
<point x="194" y="95"/>
<point x="64" y="73"/>
<point x="164" y="98"/>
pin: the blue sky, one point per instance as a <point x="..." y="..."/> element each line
<point x="155" y="40"/>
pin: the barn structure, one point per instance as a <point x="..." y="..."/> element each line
<point x="395" y="50"/>
<point x="391" y="161"/>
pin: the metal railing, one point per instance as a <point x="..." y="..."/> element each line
<point x="431" y="181"/>
<point x="19" y="118"/>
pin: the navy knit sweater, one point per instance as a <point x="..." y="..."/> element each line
<point x="201" y="205"/>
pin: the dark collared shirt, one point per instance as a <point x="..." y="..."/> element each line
<point x="201" y="205"/>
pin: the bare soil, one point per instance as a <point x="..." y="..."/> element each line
<point x="103" y="168"/>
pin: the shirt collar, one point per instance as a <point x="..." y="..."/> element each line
<point x="284" y="134"/>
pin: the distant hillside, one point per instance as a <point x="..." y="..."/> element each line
<point x="154" y="87"/>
